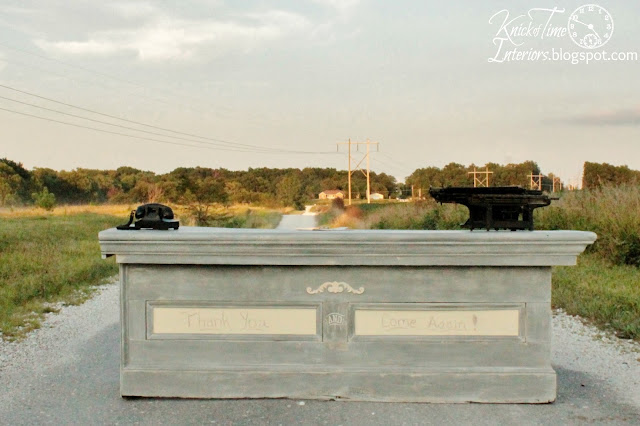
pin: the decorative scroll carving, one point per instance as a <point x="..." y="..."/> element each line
<point x="335" y="287"/>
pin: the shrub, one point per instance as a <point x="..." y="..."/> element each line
<point x="424" y="215"/>
<point x="337" y="203"/>
<point x="44" y="199"/>
<point x="354" y="212"/>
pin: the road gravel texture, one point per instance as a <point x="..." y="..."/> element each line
<point x="67" y="372"/>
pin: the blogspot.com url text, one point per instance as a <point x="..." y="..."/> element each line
<point x="560" y="55"/>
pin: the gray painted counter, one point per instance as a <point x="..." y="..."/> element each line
<point x="438" y="316"/>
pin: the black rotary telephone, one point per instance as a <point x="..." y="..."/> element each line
<point x="151" y="216"/>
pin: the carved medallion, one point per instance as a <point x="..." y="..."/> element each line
<point x="335" y="319"/>
<point x="335" y="287"/>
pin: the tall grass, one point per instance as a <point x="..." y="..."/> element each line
<point x="233" y="216"/>
<point x="605" y="293"/>
<point x="46" y="259"/>
<point x="121" y="210"/>
<point x="420" y="215"/>
<point x="611" y="212"/>
<point x="237" y="216"/>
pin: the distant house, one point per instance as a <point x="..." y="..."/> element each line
<point x="377" y="196"/>
<point x="330" y="194"/>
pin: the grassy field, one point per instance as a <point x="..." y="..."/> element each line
<point x="613" y="213"/>
<point x="120" y="210"/>
<point x="605" y="285"/>
<point x="234" y="216"/>
<point x="416" y="215"/>
<point x="603" y="292"/>
<point x="237" y="216"/>
<point x="55" y="257"/>
<point x="46" y="259"/>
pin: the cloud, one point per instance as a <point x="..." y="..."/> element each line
<point x="165" y="37"/>
<point x="133" y="10"/>
<point x="621" y="117"/>
<point x="343" y="6"/>
<point x="341" y="14"/>
<point x="92" y="46"/>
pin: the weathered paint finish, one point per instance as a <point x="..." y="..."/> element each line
<point x="216" y="320"/>
<point x="423" y="320"/>
<point x="327" y="312"/>
<point x="251" y="283"/>
<point x="535" y="386"/>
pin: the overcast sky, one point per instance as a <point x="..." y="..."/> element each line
<point x="417" y="77"/>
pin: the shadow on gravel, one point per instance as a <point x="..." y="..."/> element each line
<point x="588" y="399"/>
<point x="85" y="390"/>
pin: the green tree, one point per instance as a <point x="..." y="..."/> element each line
<point x="15" y="182"/>
<point x="289" y="190"/>
<point x="202" y="195"/>
<point x="11" y="184"/>
<point x="596" y="175"/>
<point x="44" y="199"/>
<point x="455" y="174"/>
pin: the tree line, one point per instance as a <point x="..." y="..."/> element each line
<point x="454" y="174"/>
<point x="263" y="186"/>
<point x="597" y="175"/>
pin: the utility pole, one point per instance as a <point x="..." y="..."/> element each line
<point x="368" y="183"/>
<point x="535" y="181"/>
<point x="483" y="181"/>
<point x="349" y="171"/>
<point x="357" y="165"/>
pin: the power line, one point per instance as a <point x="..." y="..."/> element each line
<point x="376" y="160"/>
<point x="358" y="167"/>
<point x="398" y="163"/>
<point x="221" y="111"/>
<point x="92" y="71"/>
<point x="117" y="133"/>
<point x="482" y="181"/>
<point x="232" y="144"/>
<point x="115" y="78"/>
<point x="400" y="171"/>
<point x="75" y="79"/>
<point x="535" y="181"/>
<point x="111" y="124"/>
<point x="388" y="165"/>
<point x="124" y="119"/>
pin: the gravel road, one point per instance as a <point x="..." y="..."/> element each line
<point x="291" y="221"/>
<point x="67" y="372"/>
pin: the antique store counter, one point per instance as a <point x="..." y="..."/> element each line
<point x="439" y="316"/>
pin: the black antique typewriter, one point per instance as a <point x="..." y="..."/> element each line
<point x="500" y="207"/>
